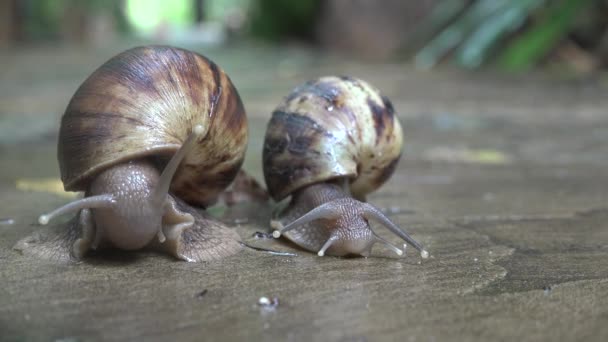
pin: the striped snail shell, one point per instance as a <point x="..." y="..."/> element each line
<point x="144" y="102"/>
<point x="331" y="142"/>
<point x="151" y="132"/>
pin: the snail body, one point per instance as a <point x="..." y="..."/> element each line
<point x="149" y="135"/>
<point x="331" y="142"/>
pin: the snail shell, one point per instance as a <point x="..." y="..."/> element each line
<point x="147" y="110"/>
<point x="331" y="142"/>
<point x="333" y="127"/>
<point x="144" y="103"/>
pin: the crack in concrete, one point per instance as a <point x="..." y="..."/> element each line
<point x="537" y="268"/>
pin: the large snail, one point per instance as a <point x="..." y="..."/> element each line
<point x="330" y="143"/>
<point x="151" y="132"/>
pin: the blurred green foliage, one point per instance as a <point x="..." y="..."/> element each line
<point x="43" y="19"/>
<point x="531" y="46"/>
<point x="275" y="20"/>
<point x="513" y="34"/>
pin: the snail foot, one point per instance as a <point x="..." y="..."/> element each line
<point x="195" y="237"/>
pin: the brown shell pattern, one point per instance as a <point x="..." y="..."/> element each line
<point x="329" y="128"/>
<point x="144" y="103"/>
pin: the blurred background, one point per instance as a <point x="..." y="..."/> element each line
<point x="505" y="35"/>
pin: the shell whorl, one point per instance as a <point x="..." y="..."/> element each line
<point x="329" y="128"/>
<point x="144" y="102"/>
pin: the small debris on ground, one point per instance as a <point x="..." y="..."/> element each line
<point x="7" y="221"/>
<point x="262" y="235"/>
<point x="201" y="294"/>
<point x="268" y="303"/>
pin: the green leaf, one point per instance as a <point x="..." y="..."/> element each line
<point x="457" y="32"/>
<point x="475" y="49"/>
<point x="526" y="51"/>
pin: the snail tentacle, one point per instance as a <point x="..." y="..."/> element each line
<point x="202" y="239"/>
<point x="164" y="183"/>
<point x="174" y="221"/>
<point x="390" y="246"/>
<point x="99" y="201"/>
<point x="371" y="212"/>
<point x="329" y="210"/>
<point x="89" y="234"/>
<point x="326" y="245"/>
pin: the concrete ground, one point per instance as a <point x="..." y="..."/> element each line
<point x="503" y="179"/>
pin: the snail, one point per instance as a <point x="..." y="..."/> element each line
<point x="331" y="142"/>
<point x="152" y="133"/>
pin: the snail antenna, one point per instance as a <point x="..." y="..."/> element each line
<point x="371" y="212"/>
<point x="324" y="211"/>
<point x="162" y="188"/>
<point x="389" y="245"/>
<point x="99" y="201"/>
<point x="326" y="245"/>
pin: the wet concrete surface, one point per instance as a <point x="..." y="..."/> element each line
<point x="502" y="179"/>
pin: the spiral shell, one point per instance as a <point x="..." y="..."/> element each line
<point x="143" y="103"/>
<point x="329" y="128"/>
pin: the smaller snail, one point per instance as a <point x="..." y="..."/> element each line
<point x="329" y="144"/>
<point x="147" y="110"/>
